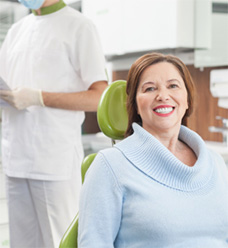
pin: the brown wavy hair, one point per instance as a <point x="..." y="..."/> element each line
<point x="133" y="79"/>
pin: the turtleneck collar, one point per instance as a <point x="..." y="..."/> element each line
<point x="51" y="9"/>
<point x="145" y="152"/>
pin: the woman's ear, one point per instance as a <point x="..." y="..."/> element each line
<point x="137" y="110"/>
<point x="187" y="104"/>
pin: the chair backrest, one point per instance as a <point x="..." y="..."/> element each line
<point x="112" y="120"/>
<point x="70" y="237"/>
<point x="86" y="164"/>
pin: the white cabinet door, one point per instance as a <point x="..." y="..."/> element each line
<point x="127" y="26"/>
<point x="149" y="25"/>
<point x="217" y="54"/>
<point x="107" y="15"/>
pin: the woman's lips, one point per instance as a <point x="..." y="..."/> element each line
<point x="164" y="110"/>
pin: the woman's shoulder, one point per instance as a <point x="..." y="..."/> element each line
<point x="111" y="155"/>
<point x="218" y="159"/>
<point x="107" y="167"/>
<point x="109" y="161"/>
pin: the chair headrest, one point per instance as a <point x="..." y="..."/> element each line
<point x="112" y="113"/>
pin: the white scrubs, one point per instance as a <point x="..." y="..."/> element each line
<point x="40" y="211"/>
<point x="57" y="52"/>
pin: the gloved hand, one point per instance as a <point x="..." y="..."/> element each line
<point x="22" y="98"/>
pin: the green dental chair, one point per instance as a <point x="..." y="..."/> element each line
<point x="112" y="120"/>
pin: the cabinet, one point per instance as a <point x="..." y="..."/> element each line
<point x="107" y="15"/>
<point x="127" y="26"/>
<point x="217" y="53"/>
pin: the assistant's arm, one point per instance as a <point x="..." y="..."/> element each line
<point x="100" y="206"/>
<point x="83" y="100"/>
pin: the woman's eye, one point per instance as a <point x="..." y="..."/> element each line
<point x="173" y="86"/>
<point x="150" y="89"/>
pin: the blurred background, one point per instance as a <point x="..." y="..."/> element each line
<point x="194" y="30"/>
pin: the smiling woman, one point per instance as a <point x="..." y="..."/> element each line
<point x="159" y="162"/>
<point x="161" y="98"/>
<point x="142" y="68"/>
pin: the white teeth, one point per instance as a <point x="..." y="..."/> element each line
<point x="164" y="110"/>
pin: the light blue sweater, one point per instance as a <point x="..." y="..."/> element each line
<point x="139" y="195"/>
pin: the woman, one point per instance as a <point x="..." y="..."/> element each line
<point x="161" y="186"/>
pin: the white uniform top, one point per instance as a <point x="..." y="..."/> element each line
<point x="58" y="52"/>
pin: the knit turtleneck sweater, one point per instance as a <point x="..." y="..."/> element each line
<point x="154" y="159"/>
<point x="138" y="194"/>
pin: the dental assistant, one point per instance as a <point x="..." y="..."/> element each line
<point x="52" y="60"/>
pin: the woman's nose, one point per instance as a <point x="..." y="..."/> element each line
<point x="162" y="95"/>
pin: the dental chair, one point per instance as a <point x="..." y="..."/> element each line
<point x="112" y="120"/>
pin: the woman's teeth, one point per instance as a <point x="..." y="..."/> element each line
<point x="164" y="110"/>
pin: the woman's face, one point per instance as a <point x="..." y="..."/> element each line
<point x="161" y="98"/>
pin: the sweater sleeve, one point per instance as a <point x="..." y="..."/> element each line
<point x="100" y="206"/>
